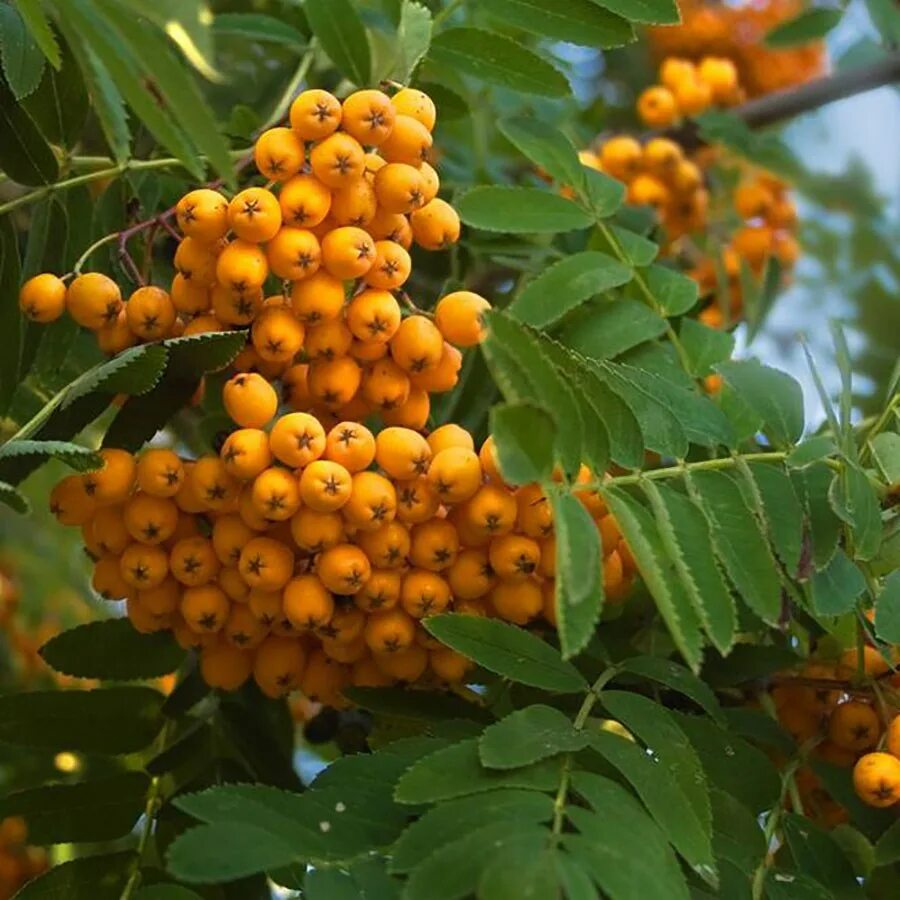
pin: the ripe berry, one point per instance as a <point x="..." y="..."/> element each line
<point x="43" y="298"/>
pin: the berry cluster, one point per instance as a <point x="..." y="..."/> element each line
<point x="689" y="90"/>
<point x="308" y="558"/>
<point x="738" y="31"/>
<point x="18" y="861"/>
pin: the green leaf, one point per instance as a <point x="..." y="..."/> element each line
<point x="520" y="210"/>
<point x="416" y="706"/>
<point x="853" y="498"/>
<point x="675" y="293"/>
<point x="887" y="610"/>
<point x="521" y="870"/>
<point x="676" y="677"/>
<point x="835" y="588"/>
<point x="782" y="512"/>
<point x="887" y="850"/>
<point x="886" y="454"/>
<point x="732" y="764"/>
<point x="86" y="878"/>
<point x="107" y="102"/>
<point x="607" y="843"/>
<point x="813" y="485"/>
<point x="125" y="73"/>
<point x="704" y="346"/>
<point x="604" y="329"/>
<point x="818" y="855"/>
<point x="528" y="736"/>
<point x="15" y="453"/>
<point x="565" y="285"/>
<point x="112" y="650"/>
<point x="747" y="662"/>
<point x="737" y="836"/>
<point x="738" y="541"/>
<point x="548" y="148"/>
<point x="508" y="651"/>
<point x="445" y="822"/>
<point x="782" y="885"/>
<point x="498" y="60"/>
<point x="886" y="19"/>
<point x="579" y="582"/>
<point x="11" y="322"/>
<point x="98" y="810"/>
<point x="651" y="12"/>
<point x="177" y="86"/>
<point x="342" y="35"/>
<point x="523" y="436"/>
<point x="135" y="371"/>
<point x="659" y="573"/>
<point x="36" y="21"/>
<point x="227" y="851"/>
<point x="575" y="21"/>
<point x="453" y="871"/>
<point x="23" y="60"/>
<point x="13" y="499"/>
<point x="166" y="891"/>
<point x="811" y="450"/>
<point x="810" y="25"/>
<point x="258" y="27"/>
<point x="24" y="154"/>
<point x="456" y="771"/>
<point x="668" y="743"/>
<point x="633" y="248"/>
<point x="60" y="104"/>
<point x="113" y="720"/>
<point x="413" y="39"/>
<point x="663" y="797"/>
<point x="773" y="395"/>
<point x="686" y="536"/>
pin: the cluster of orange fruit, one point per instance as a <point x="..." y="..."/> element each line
<point x="354" y="191"/>
<point x="688" y="90"/>
<point x="18" y="861"/>
<point x="845" y="729"/>
<point x="737" y="31"/>
<point x="308" y="557"/>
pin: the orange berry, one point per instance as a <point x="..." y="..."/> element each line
<point x="693" y="97"/>
<point x="373" y="501"/>
<point x="266" y="564"/>
<point x="307" y="603"/>
<point x="350" y="444"/>
<point x="193" y="561"/>
<point x="304" y="201"/>
<point x="385" y="385"/>
<point x="409" y="142"/>
<point x="279" y="154"/>
<point x="343" y="569"/>
<point x="450" y="435"/>
<point x="535" y="515"/>
<point x="224" y="666"/>
<point x="150" y="520"/>
<point x="470" y="575"/>
<point x="212" y="483"/>
<point x="293" y="254"/>
<point x="317" y="298"/>
<point x="491" y="511"/>
<point x="229" y="535"/>
<point x="163" y="599"/>
<point x="337" y="160"/>
<point x="657" y="107"/>
<point x="315" y="114"/>
<point x="297" y="439"/>
<point x="460" y="317"/>
<point x="279" y="662"/>
<point x="402" y="453"/>
<point x="417" y="500"/>
<point x="353" y="204"/>
<point x="400" y="188"/>
<point x="417" y="345"/>
<point x="517" y="601"/>
<point x="876" y="778"/>
<point x="455" y="474"/>
<point x="249" y="400"/>
<point x="391" y="267"/>
<point x="411" y="414"/>
<point x="433" y="545"/>
<point x="424" y="593"/>
<point x="203" y="215"/>
<point x="43" y="298"/>
<point x="621" y="157"/>
<point x="242" y="266"/>
<point x="325" y="486"/>
<point x="143" y="566"/>
<point x="246" y="453"/>
<point x="188" y="297"/>
<point x="334" y="382"/>
<point x="854" y="725"/>
<point x="443" y="376"/>
<point x="514" y="557"/>
<point x="93" y="300"/>
<point x="721" y="75"/>
<point x="277" y="334"/>
<point x="113" y="481"/>
<point x="390" y="631"/>
<point x="674" y="71"/>
<point x="435" y="225"/>
<point x="368" y="116"/>
<point x="150" y="313"/>
<point x="391" y="227"/>
<point x="662" y="157"/>
<point x="236" y="308"/>
<point x="417" y="104"/>
<point x="254" y="215"/>
<point x="328" y="340"/>
<point x="373" y="315"/>
<point x="348" y="252"/>
<point x="275" y="494"/>
<point x="108" y="580"/>
<point x="205" y="608"/>
<point x="314" y="531"/>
